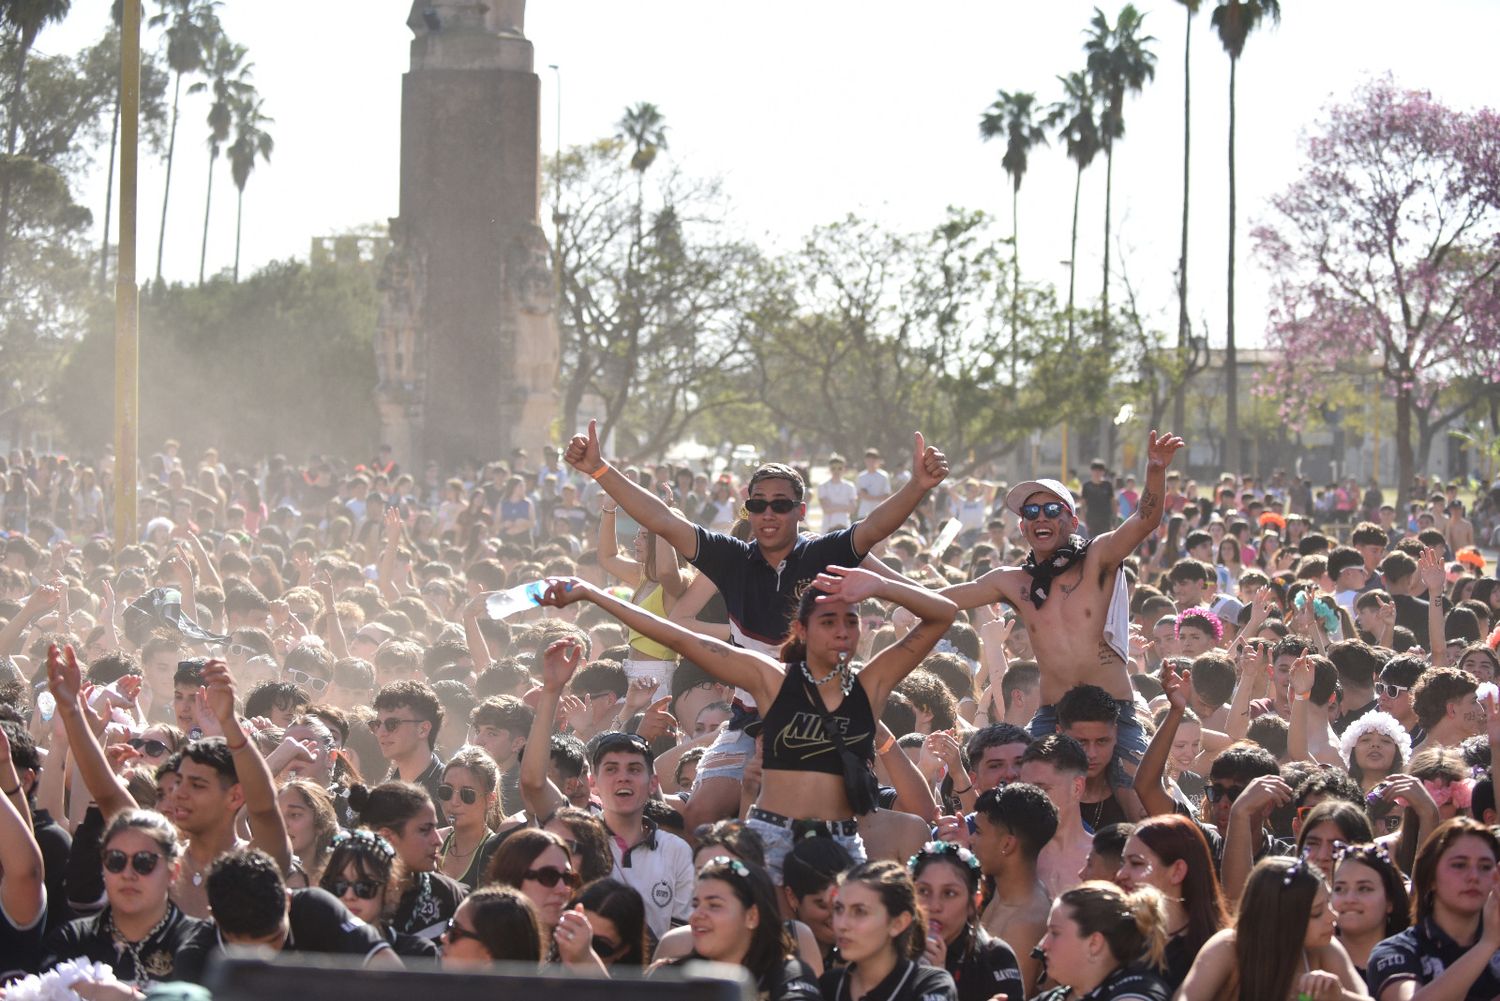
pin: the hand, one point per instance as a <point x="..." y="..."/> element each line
<point x="107" y="591"/>
<point x="1319" y="985"/>
<point x="953" y="829"/>
<point x="1431" y="573"/>
<point x="638" y="696"/>
<point x="1491" y="919"/>
<point x="178" y="570"/>
<point x="1260" y="797"/>
<point x="64" y="680"/>
<point x="95" y="720"/>
<point x="928" y="763"/>
<point x="1261" y="603"/>
<point x="1159" y="451"/>
<point x="219" y="693"/>
<point x="323" y="584"/>
<point x="945" y="749"/>
<point x="582" y="452"/>
<point x="1302" y="676"/>
<point x="120" y="755"/>
<point x="657" y="722"/>
<point x="280" y="612"/>
<point x="1174" y="688"/>
<point x="392" y="527"/>
<point x="115" y="991"/>
<point x="997" y="631"/>
<point x="563" y="591"/>
<point x="935" y="953"/>
<point x="847" y="584"/>
<point x="572" y="710"/>
<point x="1387" y="614"/>
<point x="40" y="600"/>
<point x="929" y="467"/>
<point x="1408" y="790"/>
<point x="559" y="661"/>
<point x="574" y="936"/>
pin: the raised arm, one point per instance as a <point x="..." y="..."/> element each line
<point x="929" y="467"/>
<point x="64" y="680"/>
<point x="1114" y="546"/>
<point x="1150" y="774"/>
<point x="540" y="797"/>
<point x="746" y="669"/>
<point x="267" y="828"/>
<point x="934" y="615"/>
<point x="21" y="888"/>
<point x="621" y="567"/>
<point x="338" y="644"/>
<point x="36" y="605"/>
<point x="641" y="504"/>
<point x="1430" y="572"/>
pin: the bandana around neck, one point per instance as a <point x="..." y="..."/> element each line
<point x="1067" y="556"/>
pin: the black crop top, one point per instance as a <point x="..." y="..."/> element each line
<point x="794" y="738"/>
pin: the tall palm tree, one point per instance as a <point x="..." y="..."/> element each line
<point x="1119" y="64"/>
<point x="229" y="82"/>
<point x="24" y="21"/>
<point x="192" y="31"/>
<point x="1234" y="20"/>
<point x="251" y="140"/>
<point x="1179" y="398"/>
<point x="1013" y="116"/>
<point x="1078" y="129"/>
<point x="645" y="128"/>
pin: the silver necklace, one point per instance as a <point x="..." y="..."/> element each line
<point x="842" y="673"/>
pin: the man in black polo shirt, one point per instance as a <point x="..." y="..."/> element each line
<point x="407" y="724"/>
<point x="758" y="579"/>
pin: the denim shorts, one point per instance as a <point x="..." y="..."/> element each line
<point x="778" y="841"/>
<point x="1130" y="740"/>
<point x="726" y="757"/>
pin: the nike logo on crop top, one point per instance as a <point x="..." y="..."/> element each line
<point x="761" y="598"/>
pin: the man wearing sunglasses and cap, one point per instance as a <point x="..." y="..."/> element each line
<point x="1071" y="596"/>
<point x="760" y="580"/>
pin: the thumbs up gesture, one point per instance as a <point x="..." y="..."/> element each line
<point x="929" y="467"/>
<point x="583" y="451"/>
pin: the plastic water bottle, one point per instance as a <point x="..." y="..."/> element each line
<point x="504" y="604"/>
<point x="46" y="705"/>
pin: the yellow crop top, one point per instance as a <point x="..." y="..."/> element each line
<point x="655" y="603"/>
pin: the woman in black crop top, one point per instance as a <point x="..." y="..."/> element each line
<point x="815" y="683"/>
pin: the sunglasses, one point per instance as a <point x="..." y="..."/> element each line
<point x="456" y="932"/>
<point x="758" y="505"/>
<point x="150" y="748"/>
<point x="446" y="791"/>
<point x="143" y="863"/>
<point x="1051" y="509"/>
<point x="239" y="650"/>
<point x="549" y="876"/>
<point x="390" y="724"/>
<point x="1390" y="691"/>
<point x="364" y="889"/>
<point x="1216" y="793"/>
<point x="308" y="681"/>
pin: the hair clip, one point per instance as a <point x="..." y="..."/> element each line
<point x="1294" y="870"/>
<point x="366" y="839"/>
<point x="734" y="865"/>
<point x="940" y="849"/>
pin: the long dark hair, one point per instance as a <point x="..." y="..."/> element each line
<point x="505" y="922"/>
<point x="516" y="854"/>
<point x="1272" y="922"/>
<point x="1175" y="838"/>
<point x="623" y="906"/>
<point x="770" y="944"/>
<point x="1379" y="861"/>
<point x="898" y="895"/>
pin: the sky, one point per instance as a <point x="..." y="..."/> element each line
<point x="811" y="110"/>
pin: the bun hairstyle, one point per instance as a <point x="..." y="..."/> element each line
<point x="1134" y="924"/>
<point x="389" y="805"/>
<point x="898" y="894"/>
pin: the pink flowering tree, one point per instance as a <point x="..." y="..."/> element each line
<point x="1385" y="256"/>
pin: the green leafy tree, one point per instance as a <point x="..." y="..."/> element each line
<point x="229" y="83"/>
<point x="1013" y="115"/>
<point x="251" y="142"/>
<point x="22" y="21"/>
<point x="191" y="30"/>
<point x="1078" y="129"/>
<point x="1235" y="21"/>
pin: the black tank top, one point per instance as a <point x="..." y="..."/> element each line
<point x="795" y="739"/>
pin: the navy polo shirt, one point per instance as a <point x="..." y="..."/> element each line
<point x="761" y="598"/>
<point x="1422" y="953"/>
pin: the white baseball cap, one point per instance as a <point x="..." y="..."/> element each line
<point x="1017" y="494"/>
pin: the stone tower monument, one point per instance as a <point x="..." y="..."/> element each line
<point x="467" y="343"/>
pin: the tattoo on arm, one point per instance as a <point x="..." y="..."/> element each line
<point x="1149" y="503"/>
<point x="711" y="646"/>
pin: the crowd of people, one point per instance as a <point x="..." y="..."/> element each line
<point x="1115" y="739"/>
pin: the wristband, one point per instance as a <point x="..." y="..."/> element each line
<point x="1298" y="698"/>
<point x="599" y="473"/>
<point x="960" y="792"/>
<point x="884" y="748"/>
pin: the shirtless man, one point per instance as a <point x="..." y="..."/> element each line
<point x="1063" y="592"/>
<point x="1013" y="824"/>
<point x="1057" y="765"/>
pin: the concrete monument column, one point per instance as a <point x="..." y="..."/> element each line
<point x="467" y="346"/>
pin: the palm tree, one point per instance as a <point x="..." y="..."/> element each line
<point x="1234" y="20"/>
<point x="251" y="141"/>
<point x="1078" y="129"/>
<point x="229" y="82"/>
<point x="192" y="30"/>
<point x="1118" y="64"/>
<point x="1179" y="398"/>
<point x="644" y="127"/>
<point x="25" y="19"/>
<point x="1011" y="116"/>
